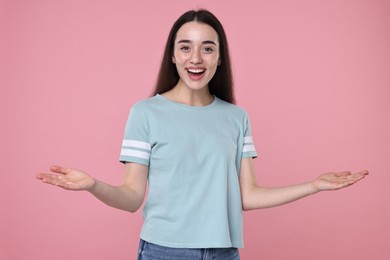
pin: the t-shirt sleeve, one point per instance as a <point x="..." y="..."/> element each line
<point x="248" y="147"/>
<point x="135" y="145"/>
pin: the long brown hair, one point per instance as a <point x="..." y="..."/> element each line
<point x="221" y="85"/>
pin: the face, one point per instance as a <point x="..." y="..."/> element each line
<point x="196" y="55"/>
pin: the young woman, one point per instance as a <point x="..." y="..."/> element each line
<point x="194" y="149"/>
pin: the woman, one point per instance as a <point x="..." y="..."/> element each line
<point x="194" y="149"/>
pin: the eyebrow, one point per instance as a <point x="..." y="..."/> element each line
<point x="203" y="42"/>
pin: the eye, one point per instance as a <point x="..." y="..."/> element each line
<point x="208" y="49"/>
<point x="185" y="48"/>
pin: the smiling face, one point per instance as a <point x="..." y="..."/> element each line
<point x="196" y="55"/>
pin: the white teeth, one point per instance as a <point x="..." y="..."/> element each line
<point x="195" y="71"/>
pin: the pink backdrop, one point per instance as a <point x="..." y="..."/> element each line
<point x="313" y="76"/>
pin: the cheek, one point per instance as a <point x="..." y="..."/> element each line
<point x="179" y="60"/>
<point x="180" y="69"/>
<point x="214" y="69"/>
<point x="213" y="60"/>
<point x="179" y="55"/>
<point x="214" y="65"/>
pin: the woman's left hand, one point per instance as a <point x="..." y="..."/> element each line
<point x="337" y="180"/>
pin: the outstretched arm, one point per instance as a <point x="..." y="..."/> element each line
<point x="256" y="197"/>
<point x="127" y="196"/>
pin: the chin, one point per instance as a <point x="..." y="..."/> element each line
<point x="197" y="87"/>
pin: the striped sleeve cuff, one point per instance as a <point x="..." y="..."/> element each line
<point x="135" y="151"/>
<point x="248" y="149"/>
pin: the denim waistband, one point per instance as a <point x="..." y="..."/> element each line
<point x="149" y="251"/>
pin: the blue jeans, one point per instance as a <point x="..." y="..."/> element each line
<point x="149" y="251"/>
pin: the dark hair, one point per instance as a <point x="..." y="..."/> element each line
<point x="221" y="85"/>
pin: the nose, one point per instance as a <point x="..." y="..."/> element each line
<point x="196" y="57"/>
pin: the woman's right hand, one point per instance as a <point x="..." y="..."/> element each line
<point x="67" y="178"/>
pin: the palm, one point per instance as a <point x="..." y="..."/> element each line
<point x="335" y="181"/>
<point x="67" y="178"/>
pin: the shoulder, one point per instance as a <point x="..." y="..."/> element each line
<point x="143" y="103"/>
<point x="232" y="108"/>
<point x="146" y="104"/>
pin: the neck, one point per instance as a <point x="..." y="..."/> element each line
<point x="184" y="95"/>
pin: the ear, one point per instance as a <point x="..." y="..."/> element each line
<point x="219" y="62"/>
<point x="173" y="60"/>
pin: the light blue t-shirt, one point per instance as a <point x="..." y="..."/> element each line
<point x="194" y="155"/>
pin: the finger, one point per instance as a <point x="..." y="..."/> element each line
<point x="360" y="177"/>
<point x="347" y="183"/>
<point x="357" y="177"/>
<point x="364" y="172"/>
<point x="353" y="180"/>
<point x="49" y="178"/>
<point x="39" y="176"/>
<point x="343" y="174"/>
<point x="43" y="175"/>
<point x="59" y="169"/>
<point x="56" y="180"/>
<point x="353" y="176"/>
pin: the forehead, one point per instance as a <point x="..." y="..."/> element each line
<point x="196" y="32"/>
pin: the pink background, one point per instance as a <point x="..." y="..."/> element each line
<point x="314" y="77"/>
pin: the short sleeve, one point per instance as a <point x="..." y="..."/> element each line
<point x="135" y="145"/>
<point x="248" y="147"/>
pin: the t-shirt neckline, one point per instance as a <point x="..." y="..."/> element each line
<point x="188" y="106"/>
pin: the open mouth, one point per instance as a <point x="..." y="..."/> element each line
<point x="196" y="71"/>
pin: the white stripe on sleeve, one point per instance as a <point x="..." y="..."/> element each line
<point x="135" y="153"/>
<point x="248" y="148"/>
<point x="136" y="144"/>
